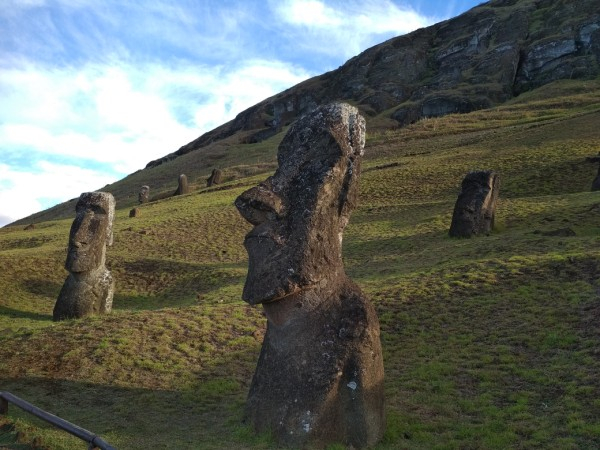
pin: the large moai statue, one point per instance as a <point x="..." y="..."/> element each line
<point x="319" y="377"/>
<point x="216" y="177"/>
<point x="182" y="186"/>
<point x="89" y="287"/>
<point x="144" y="195"/>
<point x="475" y="207"/>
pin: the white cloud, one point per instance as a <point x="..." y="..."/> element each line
<point x="345" y="28"/>
<point x="118" y="116"/>
<point x="25" y="192"/>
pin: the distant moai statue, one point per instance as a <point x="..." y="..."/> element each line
<point x="182" y="187"/>
<point x="475" y="207"/>
<point x="319" y="377"/>
<point x="135" y="212"/>
<point x="89" y="287"/>
<point x="216" y="177"/>
<point x="144" y="195"/>
<point x="596" y="182"/>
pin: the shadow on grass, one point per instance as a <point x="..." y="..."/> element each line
<point x="168" y="284"/>
<point x="18" y="314"/>
<point x="42" y="287"/>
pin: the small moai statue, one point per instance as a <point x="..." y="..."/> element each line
<point x="182" y="187"/>
<point x="216" y="177"/>
<point x="144" y="195"/>
<point x="89" y="288"/>
<point x="135" y="212"/>
<point x="475" y="207"/>
<point x="319" y="376"/>
<point x="596" y="182"/>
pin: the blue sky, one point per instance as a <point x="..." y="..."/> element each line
<point x="91" y="91"/>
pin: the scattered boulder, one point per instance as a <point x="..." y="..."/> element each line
<point x="216" y="177"/>
<point x="183" y="187"/>
<point x="144" y="195"/>
<point x="89" y="288"/>
<point x="135" y="212"/>
<point x="319" y="377"/>
<point x="475" y="207"/>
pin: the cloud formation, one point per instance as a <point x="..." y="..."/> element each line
<point x="91" y="91"/>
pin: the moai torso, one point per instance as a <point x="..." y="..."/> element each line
<point x="319" y="378"/>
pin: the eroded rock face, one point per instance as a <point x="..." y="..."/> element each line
<point x="182" y="187"/>
<point x="319" y="378"/>
<point x="89" y="287"/>
<point x="216" y="177"/>
<point x="144" y="195"/>
<point x="476" y="205"/>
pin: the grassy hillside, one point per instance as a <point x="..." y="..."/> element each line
<point x="488" y="343"/>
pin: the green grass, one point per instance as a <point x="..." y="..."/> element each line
<point x="489" y="343"/>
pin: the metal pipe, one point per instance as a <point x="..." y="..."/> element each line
<point x="85" y="435"/>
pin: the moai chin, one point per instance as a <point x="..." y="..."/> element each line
<point x="319" y="377"/>
<point x="475" y="206"/>
<point x="144" y="195"/>
<point x="89" y="287"/>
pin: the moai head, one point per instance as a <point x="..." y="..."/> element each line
<point x="91" y="232"/>
<point x="216" y="177"/>
<point x="475" y="206"/>
<point x="299" y="214"/>
<point x="182" y="187"/>
<point x="144" y="194"/>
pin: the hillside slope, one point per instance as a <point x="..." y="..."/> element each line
<point x="480" y="59"/>
<point x="488" y="343"/>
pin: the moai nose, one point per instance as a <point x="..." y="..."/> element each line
<point x="260" y="204"/>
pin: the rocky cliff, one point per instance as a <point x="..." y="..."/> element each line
<point x="479" y="59"/>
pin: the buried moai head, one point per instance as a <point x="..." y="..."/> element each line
<point x="91" y="231"/>
<point x="144" y="195"/>
<point x="475" y="207"/>
<point x="216" y="177"/>
<point x="182" y="185"/>
<point x="299" y="213"/>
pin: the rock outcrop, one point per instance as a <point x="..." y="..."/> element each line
<point x="319" y="378"/>
<point x="89" y="288"/>
<point x="475" y="207"/>
<point x="481" y="58"/>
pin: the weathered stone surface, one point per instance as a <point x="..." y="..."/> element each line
<point x="89" y="287"/>
<point x="144" y="195"/>
<point x="135" y="212"/>
<point x="182" y="187"/>
<point x="475" y="207"/>
<point x="319" y="378"/>
<point x="481" y="58"/>
<point x="216" y="177"/>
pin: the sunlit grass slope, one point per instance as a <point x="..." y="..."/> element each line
<point x="491" y="342"/>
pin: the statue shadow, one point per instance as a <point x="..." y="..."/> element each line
<point x="205" y="413"/>
<point x="157" y="288"/>
<point x="18" y="314"/>
<point x="42" y="287"/>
